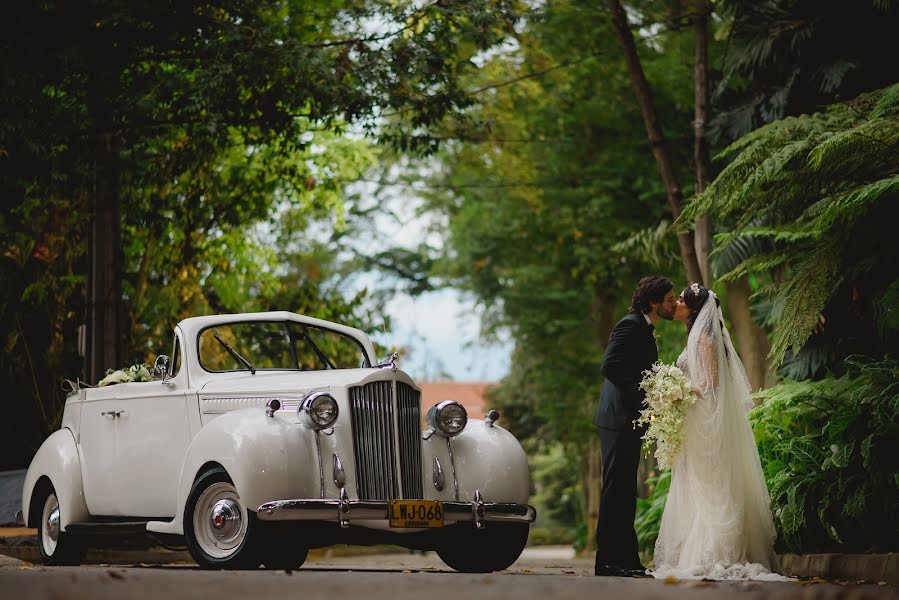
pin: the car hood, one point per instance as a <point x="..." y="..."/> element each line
<point x="287" y="381"/>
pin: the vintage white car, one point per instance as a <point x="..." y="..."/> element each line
<point x="268" y="434"/>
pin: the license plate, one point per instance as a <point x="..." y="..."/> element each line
<point x="416" y="513"/>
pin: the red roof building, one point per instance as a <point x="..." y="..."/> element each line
<point x="469" y="394"/>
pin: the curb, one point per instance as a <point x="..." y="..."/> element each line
<point x="843" y="567"/>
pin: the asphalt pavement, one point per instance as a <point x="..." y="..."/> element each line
<point x="540" y="574"/>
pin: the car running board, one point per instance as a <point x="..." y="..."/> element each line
<point x="116" y="529"/>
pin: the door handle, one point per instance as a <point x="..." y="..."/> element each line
<point x="112" y="413"/>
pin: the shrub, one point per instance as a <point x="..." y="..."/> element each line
<point x="829" y="451"/>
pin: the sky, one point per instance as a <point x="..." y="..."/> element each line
<point x="439" y="330"/>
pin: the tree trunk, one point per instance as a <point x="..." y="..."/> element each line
<point x="752" y="341"/>
<point x="703" y="231"/>
<point x="654" y="135"/>
<point x="105" y="341"/>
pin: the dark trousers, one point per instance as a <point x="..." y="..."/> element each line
<point x="616" y="540"/>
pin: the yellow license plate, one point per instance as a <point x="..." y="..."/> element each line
<point x="416" y="513"/>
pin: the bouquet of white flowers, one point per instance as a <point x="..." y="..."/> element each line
<point x="140" y="372"/>
<point x="668" y="395"/>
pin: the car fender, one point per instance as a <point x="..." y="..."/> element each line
<point x="58" y="460"/>
<point x="490" y="459"/>
<point x="267" y="458"/>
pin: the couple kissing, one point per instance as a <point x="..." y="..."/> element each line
<point x="717" y="521"/>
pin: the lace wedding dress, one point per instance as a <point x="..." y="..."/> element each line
<point x="717" y="520"/>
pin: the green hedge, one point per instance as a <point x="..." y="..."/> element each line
<point x="830" y="452"/>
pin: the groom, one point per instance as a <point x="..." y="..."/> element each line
<point x="631" y="350"/>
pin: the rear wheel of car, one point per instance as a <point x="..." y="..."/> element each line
<point x="221" y="533"/>
<point x="56" y="546"/>
<point x="494" y="548"/>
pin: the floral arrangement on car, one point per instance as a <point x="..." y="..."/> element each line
<point x="138" y="372"/>
<point x="669" y="394"/>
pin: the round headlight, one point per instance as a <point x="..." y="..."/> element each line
<point x="319" y="410"/>
<point x="447" y="418"/>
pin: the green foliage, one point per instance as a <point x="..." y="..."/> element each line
<point x="789" y="57"/>
<point x="825" y="188"/>
<point x="828" y="449"/>
<point x="649" y="513"/>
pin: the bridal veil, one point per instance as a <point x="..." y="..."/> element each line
<point x="717" y="521"/>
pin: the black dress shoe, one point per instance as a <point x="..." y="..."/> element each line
<point x="641" y="572"/>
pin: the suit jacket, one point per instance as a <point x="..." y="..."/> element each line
<point x="631" y="350"/>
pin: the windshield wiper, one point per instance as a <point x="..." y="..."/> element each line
<point x="234" y="353"/>
<point x="321" y="355"/>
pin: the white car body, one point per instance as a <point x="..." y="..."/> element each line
<point x="130" y="454"/>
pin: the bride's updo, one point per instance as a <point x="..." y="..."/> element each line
<point x="695" y="296"/>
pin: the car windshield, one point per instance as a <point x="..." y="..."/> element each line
<point x="261" y="345"/>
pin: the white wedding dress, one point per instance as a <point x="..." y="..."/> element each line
<point x="717" y="520"/>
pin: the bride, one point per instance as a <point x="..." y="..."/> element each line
<point x="717" y="521"/>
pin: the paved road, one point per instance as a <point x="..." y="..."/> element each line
<point x="540" y="575"/>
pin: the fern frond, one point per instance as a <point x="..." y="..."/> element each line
<point x="650" y="245"/>
<point x="845" y="151"/>
<point x="805" y="292"/>
<point x="760" y="262"/>
<point x="888" y="102"/>
<point x="776" y="166"/>
<point x="848" y="206"/>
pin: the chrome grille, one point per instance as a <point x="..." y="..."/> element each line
<point x="374" y="440"/>
<point x="410" y="439"/>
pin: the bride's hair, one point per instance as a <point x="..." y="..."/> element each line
<point x="695" y="296"/>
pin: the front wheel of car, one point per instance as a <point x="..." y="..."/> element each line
<point x="494" y="548"/>
<point x="221" y="533"/>
<point x="56" y="546"/>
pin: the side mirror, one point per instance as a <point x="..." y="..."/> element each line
<point x="161" y="368"/>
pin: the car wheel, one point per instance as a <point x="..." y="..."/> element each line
<point x="494" y="548"/>
<point x="56" y="546"/>
<point x="221" y="533"/>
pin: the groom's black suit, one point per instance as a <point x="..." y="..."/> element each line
<point x="631" y="350"/>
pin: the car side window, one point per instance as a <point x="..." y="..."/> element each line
<point x="175" y="364"/>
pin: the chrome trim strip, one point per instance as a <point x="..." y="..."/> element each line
<point x="321" y="466"/>
<point x="449" y="447"/>
<point x="330" y="509"/>
<point x="439" y="477"/>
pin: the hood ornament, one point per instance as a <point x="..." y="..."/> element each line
<point x="388" y="362"/>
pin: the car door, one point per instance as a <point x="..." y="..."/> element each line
<point x="97" y="443"/>
<point x="134" y="437"/>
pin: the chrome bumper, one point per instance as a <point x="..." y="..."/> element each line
<point x="343" y="510"/>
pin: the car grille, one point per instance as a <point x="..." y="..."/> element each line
<point x="375" y="440"/>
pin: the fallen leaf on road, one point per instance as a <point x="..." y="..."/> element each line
<point x="701" y="584"/>
<point x="671" y="580"/>
<point x="812" y="581"/>
<point x="527" y="571"/>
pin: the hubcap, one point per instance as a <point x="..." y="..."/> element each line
<point x="225" y="519"/>
<point x="219" y="520"/>
<point x="51" y="520"/>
